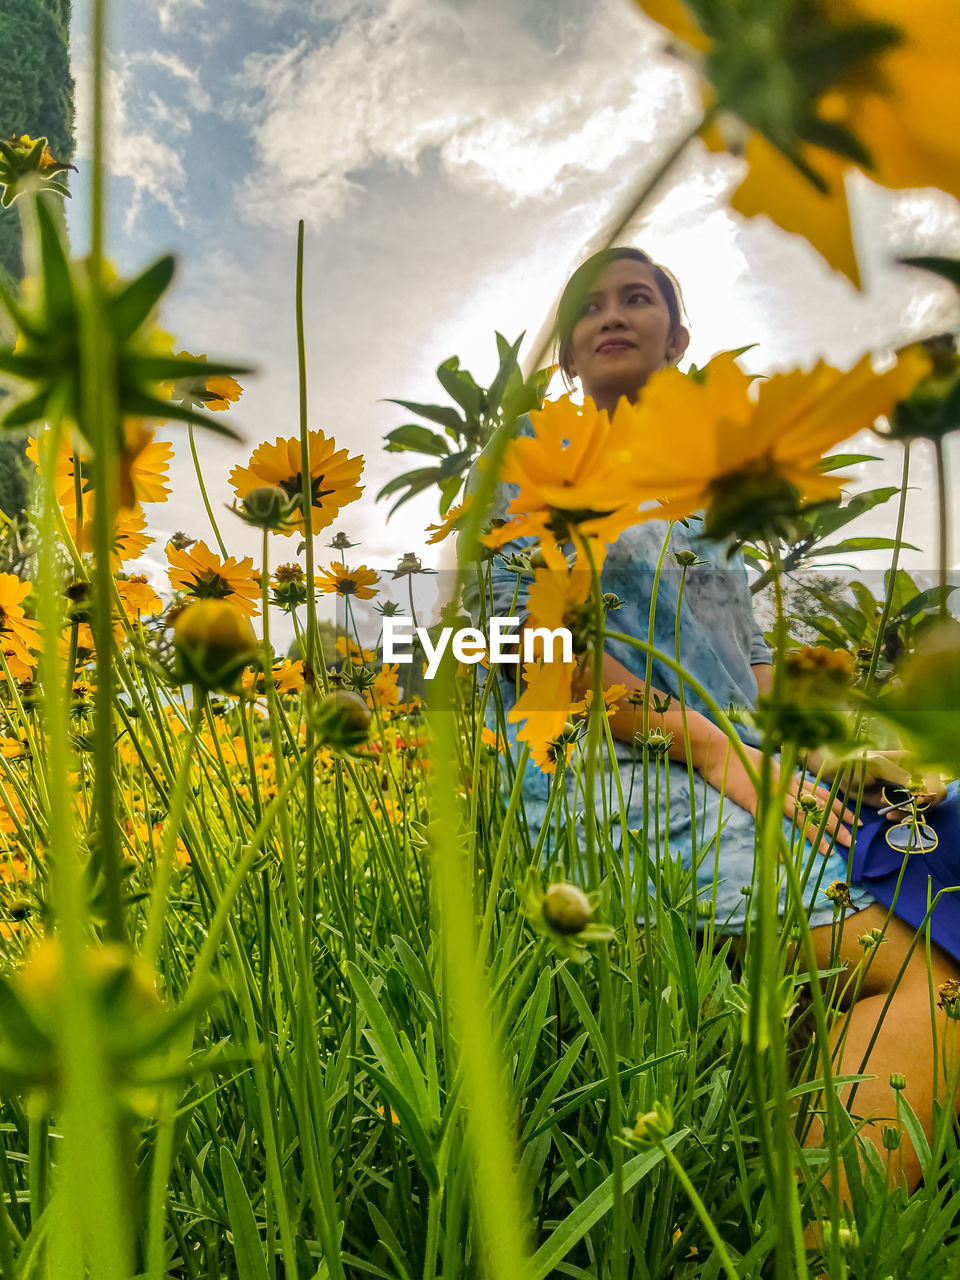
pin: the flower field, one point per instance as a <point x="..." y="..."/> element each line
<point x="291" y="985"/>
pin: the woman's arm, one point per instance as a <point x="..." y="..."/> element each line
<point x="710" y="751"/>
<point x="763" y="674"/>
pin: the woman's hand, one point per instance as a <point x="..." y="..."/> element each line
<point x="725" y="771"/>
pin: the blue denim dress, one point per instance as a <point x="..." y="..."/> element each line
<point x="719" y="641"/>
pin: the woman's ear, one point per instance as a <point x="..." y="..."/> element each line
<point x="677" y="343"/>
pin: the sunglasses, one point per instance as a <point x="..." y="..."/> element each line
<point x="911" y="835"/>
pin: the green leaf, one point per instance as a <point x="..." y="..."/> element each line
<point x="144" y="406"/>
<point x="920" y="603"/>
<point x="382" y="1035"/>
<point x="681" y="960"/>
<point x="157" y="368"/>
<point x="417" y="438"/>
<point x="448" y="491"/>
<point x="128" y="309"/>
<point x="461" y="387"/>
<point x="947" y="268"/>
<point x="857" y="544"/>
<point x="389" y="1240"/>
<point x="58" y="294"/>
<point x="410" y="1124"/>
<point x="837" y="461"/>
<point x="17" y="1024"/>
<point x="829" y="519"/>
<point x="443" y="415"/>
<point x="247" y="1245"/>
<point x="427" y="474"/>
<point x="508" y="364"/>
<point x="26" y="412"/>
<point x="590" y="1210"/>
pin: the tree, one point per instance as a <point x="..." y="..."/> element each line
<point x="36" y="94"/>
<point x="36" y="98"/>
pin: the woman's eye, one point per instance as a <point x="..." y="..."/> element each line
<point x="642" y="296"/>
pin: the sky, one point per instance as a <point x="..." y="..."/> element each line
<point x="453" y="161"/>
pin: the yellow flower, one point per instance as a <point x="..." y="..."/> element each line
<point x="137" y="597"/>
<point x="544" y="707"/>
<point x="18" y="633"/>
<point x="611" y="697"/>
<point x="204" y="576"/>
<point x="129" y="538"/>
<point x="144" y="465"/>
<point x="450" y="522"/>
<point x="342" y="581"/>
<point x="879" y="97"/>
<point x="734" y="440"/>
<point x="216" y="392"/>
<point x="357" y="654"/>
<point x="214" y="641"/>
<point x="385" y="691"/>
<point x="333" y="476"/>
<point x="491" y="739"/>
<point x="572" y="484"/>
<point x="287" y="677"/>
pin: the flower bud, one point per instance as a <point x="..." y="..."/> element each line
<point x="213" y="641"/>
<point x="267" y="507"/>
<point x="898" y="1081"/>
<point x="19" y="908"/>
<point x="891" y="1137"/>
<point x="839" y="894"/>
<point x="653" y="1126"/>
<point x="872" y="938"/>
<point x="949" y="1001"/>
<point x="566" y="908"/>
<point x="656" y="742"/>
<point x="341" y="720"/>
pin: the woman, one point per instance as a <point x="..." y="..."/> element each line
<point x="618" y="322"/>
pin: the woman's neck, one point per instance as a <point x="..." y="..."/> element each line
<point x="610" y="399"/>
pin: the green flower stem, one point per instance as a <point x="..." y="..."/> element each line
<point x="700" y="1209"/>
<point x="203" y="491"/>
<point x="90" y="1125"/>
<point x="943" y="528"/>
<point x="891" y="579"/>
<point x="314" y="649"/>
<point x="502" y="1233"/>
<point x="683" y="718"/>
<point x="171" y="830"/>
<point x="499" y="860"/>
<point x="766" y="969"/>
<point x="597" y="713"/>
<point x="315" y="1126"/>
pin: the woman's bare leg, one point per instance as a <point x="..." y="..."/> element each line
<point x="904" y="1043"/>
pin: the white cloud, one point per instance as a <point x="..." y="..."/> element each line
<point x="168" y="116"/>
<point x="504" y="115"/>
<point x="170" y="12"/>
<point x="197" y="96"/>
<point x="133" y="152"/>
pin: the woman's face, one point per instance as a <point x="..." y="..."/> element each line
<point x="622" y="334"/>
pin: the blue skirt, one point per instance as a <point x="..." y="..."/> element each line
<point x="877" y="867"/>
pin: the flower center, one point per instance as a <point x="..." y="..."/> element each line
<point x="212" y="588"/>
<point x="293" y="488"/>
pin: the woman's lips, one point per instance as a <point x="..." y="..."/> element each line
<point x="615" y="345"/>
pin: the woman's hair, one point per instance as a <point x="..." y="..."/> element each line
<point x="583" y="280"/>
